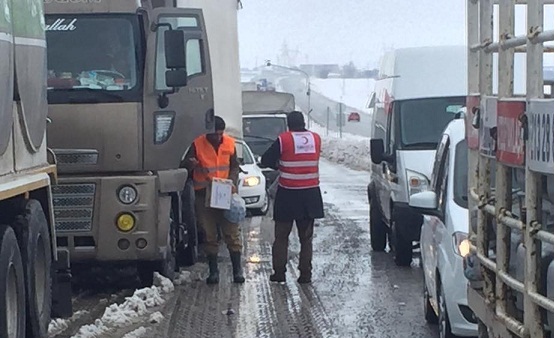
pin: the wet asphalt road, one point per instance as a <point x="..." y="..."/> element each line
<point x="355" y="292"/>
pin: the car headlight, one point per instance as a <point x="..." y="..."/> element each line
<point x="461" y="244"/>
<point x="251" y="181"/>
<point x="127" y="194"/>
<point x="416" y="182"/>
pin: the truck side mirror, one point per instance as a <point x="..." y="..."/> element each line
<point x="174" y="48"/>
<point x="377" y="150"/>
<point x="176" y="78"/>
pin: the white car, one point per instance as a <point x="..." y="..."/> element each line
<point x="443" y="239"/>
<point x="252" y="182"/>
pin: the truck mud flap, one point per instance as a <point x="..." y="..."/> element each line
<point x="61" y="282"/>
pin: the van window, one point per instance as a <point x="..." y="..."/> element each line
<point x="460" y="181"/>
<point x="422" y="121"/>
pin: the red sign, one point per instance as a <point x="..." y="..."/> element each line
<point x="472" y="105"/>
<point x="510" y="145"/>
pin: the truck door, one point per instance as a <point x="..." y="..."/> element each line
<point x="172" y="120"/>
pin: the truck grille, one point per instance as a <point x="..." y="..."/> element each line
<point x="64" y="156"/>
<point x="73" y="206"/>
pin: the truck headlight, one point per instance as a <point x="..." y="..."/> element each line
<point x="416" y="182"/>
<point x="251" y="181"/>
<point x="163" y="126"/>
<point x="127" y="194"/>
<point x="461" y="244"/>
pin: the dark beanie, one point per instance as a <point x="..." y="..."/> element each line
<point x="295" y="120"/>
<point x="219" y="123"/>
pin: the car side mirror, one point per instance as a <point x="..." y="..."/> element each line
<point x="425" y="203"/>
<point x="377" y="150"/>
<point x="257" y="159"/>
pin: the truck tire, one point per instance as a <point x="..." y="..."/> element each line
<point x="165" y="267"/>
<point x="403" y="247"/>
<point x="378" y="229"/>
<point x="12" y="286"/>
<point x="189" y="255"/>
<point x="37" y="264"/>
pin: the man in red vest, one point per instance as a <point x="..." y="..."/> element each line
<point x="214" y="156"/>
<point x="298" y="198"/>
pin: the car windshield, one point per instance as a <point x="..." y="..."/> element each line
<point x="422" y="121"/>
<point x="247" y="157"/>
<point x="460" y="190"/>
<point x="263" y="128"/>
<point x="93" y="53"/>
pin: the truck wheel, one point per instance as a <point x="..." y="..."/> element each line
<point x="378" y="230"/>
<point x="37" y="263"/>
<point x="403" y="247"/>
<point x="165" y="267"/>
<point x="189" y="255"/>
<point x="266" y="206"/>
<point x="12" y="286"/>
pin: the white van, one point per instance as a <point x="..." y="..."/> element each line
<point x="418" y="92"/>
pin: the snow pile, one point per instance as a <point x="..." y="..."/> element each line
<point x="352" y="92"/>
<point x="131" y="310"/>
<point x="136" y="333"/>
<point x="186" y="277"/>
<point x="156" y="317"/>
<point x="353" y="151"/>
<point x="59" y="325"/>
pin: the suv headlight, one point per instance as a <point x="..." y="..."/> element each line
<point x="127" y="194"/>
<point x="416" y="182"/>
<point x="461" y="244"/>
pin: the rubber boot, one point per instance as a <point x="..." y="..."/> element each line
<point x="237" y="267"/>
<point x="214" y="273"/>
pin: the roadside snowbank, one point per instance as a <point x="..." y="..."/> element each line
<point x="355" y="94"/>
<point x="352" y="151"/>
<point x="130" y="311"/>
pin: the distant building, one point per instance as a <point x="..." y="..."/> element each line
<point x="320" y="70"/>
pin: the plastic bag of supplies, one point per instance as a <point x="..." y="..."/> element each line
<point x="238" y="210"/>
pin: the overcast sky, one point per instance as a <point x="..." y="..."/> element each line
<point x="332" y="31"/>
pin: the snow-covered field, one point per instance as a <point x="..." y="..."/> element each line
<point x="352" y="92"/>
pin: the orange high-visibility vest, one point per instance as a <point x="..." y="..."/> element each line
<point x="212" y="164"/>
<point x="298" y="165"/>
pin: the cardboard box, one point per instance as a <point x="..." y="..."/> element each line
<point x="218" y="194"/>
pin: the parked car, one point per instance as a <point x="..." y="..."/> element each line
<point x="354" y="116"/>
<point x="444" y="236"/>
<point x="419" y="92"/>
<point x="252" y="182"/>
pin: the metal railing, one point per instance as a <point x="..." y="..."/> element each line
<point x="494" y="305"/>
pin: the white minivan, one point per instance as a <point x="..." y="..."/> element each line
<point x="418" y="92"/>
<point x="444" y="239"/>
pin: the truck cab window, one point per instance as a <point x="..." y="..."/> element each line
<point x="93" y="52"/>
<point x="194" y="53"/>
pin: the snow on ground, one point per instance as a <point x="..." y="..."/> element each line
<point x="352" y="92"/>
<point x="58" y="325"/>
<point x="132" y="310"/>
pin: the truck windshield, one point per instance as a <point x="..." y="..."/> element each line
<point x="422" y="121"/>
<point x="95" y="58"/>
<point x="263" y="128"/>
<point x="460" y="181"/>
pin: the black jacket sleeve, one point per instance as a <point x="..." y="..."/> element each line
<point x="270" y="159"/>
